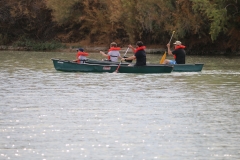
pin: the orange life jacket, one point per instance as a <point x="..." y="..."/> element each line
<point x="139" y="48"/>
<point x="79" y="53"/>
<point x="178" y="47"/>
<point x="113" y="49"/>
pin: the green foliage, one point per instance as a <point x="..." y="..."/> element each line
<point x="197" y="22"/>
<point x="215" y="14"/>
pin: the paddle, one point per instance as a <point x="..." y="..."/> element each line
<point x="121" y="61"/>
<point x="163" y="58"/>
<point x="165" y="54"/>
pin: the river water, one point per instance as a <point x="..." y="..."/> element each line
<point x="51" y="115"/>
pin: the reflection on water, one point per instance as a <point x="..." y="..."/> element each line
<point x="47" y="114"/>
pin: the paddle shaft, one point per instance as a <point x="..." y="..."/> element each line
<point x="121" y="61"/>
<point x="126" y="52"/>
<point x="171" y="36"/>
<point x="165" y="54"/>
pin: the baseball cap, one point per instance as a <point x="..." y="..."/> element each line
<point x="177" y="43"/>
<point x="80" y="49"/>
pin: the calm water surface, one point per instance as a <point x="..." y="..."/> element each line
<point x="50" y="115"/>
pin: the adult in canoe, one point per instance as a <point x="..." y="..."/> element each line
<point x="178" y="54"/>
<point x="113" y="53"/>
<point x="81" y="56"/>
<point x="139" y="54"/>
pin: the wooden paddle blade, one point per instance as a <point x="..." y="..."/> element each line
<point x="163" y="58"/>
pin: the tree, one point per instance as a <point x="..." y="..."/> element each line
<point x="223" y="16"/>
<point x="29" y="18"/>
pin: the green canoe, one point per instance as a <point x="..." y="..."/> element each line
<point x="197" y="67"/>
<point x="69" y="66"/>
<point x="104" y="62"/>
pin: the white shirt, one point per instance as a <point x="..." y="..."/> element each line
<point x="114" y="55"/>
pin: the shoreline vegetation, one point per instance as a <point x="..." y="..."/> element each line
<point x="73" y="48"/>
<point x="25" y="44"/>
<point x="205" y="27"/>
<point x="151" y="49"/>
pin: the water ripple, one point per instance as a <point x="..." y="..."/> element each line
<point x="48" y="114"/>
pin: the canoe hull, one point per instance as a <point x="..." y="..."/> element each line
<point x="188" y="67"/>
<point x="177" y="67"/>
<point x="69" y="66"/>
<point x="146" y="69"/>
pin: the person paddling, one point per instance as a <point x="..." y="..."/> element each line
<point x="139" y="54"/>
<point x="179" y="54"/>
<point x="81" y="56"/>
<point x="113" y="53"/>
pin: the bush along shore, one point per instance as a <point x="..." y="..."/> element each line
<point x="31" y="45"/>
<point x="56" y="47"/>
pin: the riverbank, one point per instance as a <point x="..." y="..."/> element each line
<point x="86" y="48"/>
<point x="149" y="50"/>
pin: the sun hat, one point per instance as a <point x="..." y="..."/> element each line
<point x="114" y="43"/>
<point x="177" y="43"/>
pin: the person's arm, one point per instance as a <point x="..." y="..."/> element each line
<point x="103" y="54"/>
<point x="169" y="50"/>
<point x="77" y="55"/>
<point x="119" y="56"/>
<point x="133" y="49"/>
<point x="129" y="58"/>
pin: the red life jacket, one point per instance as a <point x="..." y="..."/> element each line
<point x="79" y="53"/>
<point x="113" y="49"/>
<point x="178" y="47"/>
<point x="139" y="48"/>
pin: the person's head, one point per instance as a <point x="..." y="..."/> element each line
<point x="113" y="44"/>
<point x="80" y="49"/>
<point x="139" y="43"/>
<point x="177" y="43"/>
